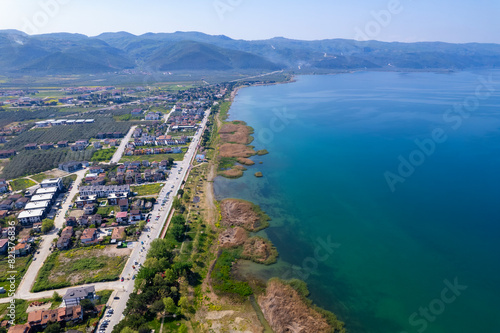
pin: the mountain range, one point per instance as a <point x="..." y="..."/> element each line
<point x="65" y="53"/>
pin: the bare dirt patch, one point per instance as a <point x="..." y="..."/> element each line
<point x="55" y="173"/>
<point x="235" y="133"/>
<point x="232" y="173"/>
<point x="245" y="161"/>
<point x="235" y="150"/>
<point x="285" y="311"/>
<point x="233" y="237"/>
<point x="243" y="214"/>
<point x="260" y="250"/>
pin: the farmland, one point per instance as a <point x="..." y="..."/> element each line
<point x="36" y="161"/>
<point x="72" y="133"/>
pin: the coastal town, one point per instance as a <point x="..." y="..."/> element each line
<point x="106" y="210"/>
<point x="109" y="221"/>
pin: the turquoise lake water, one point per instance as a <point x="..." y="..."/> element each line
<point x="394" y="251"/>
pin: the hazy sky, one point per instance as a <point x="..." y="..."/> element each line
<point x="386" y="20"/>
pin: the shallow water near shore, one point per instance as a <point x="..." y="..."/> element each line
<point x="373" y="256"/>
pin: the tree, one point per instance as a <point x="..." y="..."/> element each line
<point x="87" y="304"/>
<point x="170" y="276"/>
<point x="56" y="297"/>
<point x="3" y="330"/>
<point x="177" y="203"/>
<point x="178" y="231"/>
<point x="169" y="305"/>
<point x="142" y="224"/>
<point x="128" y="330"/>
<point x="158" y="306"/>
<point x="53" y="328"/>
<point x="159" y="249"/>
<point x="47" y="225"/>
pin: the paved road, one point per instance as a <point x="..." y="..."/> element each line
<point x="23" y="291"/>
<point x="158" y="220"/>
<point x="119" y="152"/>
<point x="121" y="290"/>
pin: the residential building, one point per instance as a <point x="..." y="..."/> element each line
<point x="4" y="244"/>
<point x="113" y="198"/>
<point x="63" y="144"/>
<point x="7" y="204"/>
<point x="135" y="215"/>
<point x="46" y="146"/>
<point x="52" y="182"/>
<point x="37" y="227"/>
<point x="96" y="220"/>
<point x="73" y="296"/>
<point x="104" y="190"/>
<point x="64" y="241"/>
<point x="46" y="190"/>
<point x="28" y="217"/>
<point x="31" y="146"/>
<point x="118" y="234"/>
<point x="22" y="249"/>
<point x="7" y="153"/>
<point x="122" y="217"/>
<point x="123" y="203"/>
<point x="88" y="209"/>
<point x="71" y="221"/>
<point x="42" y="197"/>
<point x="83" y="200"/>
<point x="36" y="205"/>
<point x="19" y="329"/>
<point x="88" y="236"/>
<point x="70" y="166"/>
<point x="41" y="318"/>
<point x="3" y="214"/>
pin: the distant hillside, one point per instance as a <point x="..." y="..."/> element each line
<point x="64" y="53"/>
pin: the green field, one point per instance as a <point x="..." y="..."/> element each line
<point x="103" y="155"/>
<point x="149" y="189"/>
<point x="39" y="177"/>
<point x="153" y="158"/>
<point x="21" y="184"/>
<point x="80" y="266"/>
<point x="20" y="266"/>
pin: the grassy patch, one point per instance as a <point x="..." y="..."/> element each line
<point x="39" y="177"/>
<point x="104" y="211"/>
<point x="262" y="152"/>
<point x="224" y="110"/>
<point x="79" y="266"/>
<point x="21" y="314"/>
<point x="103" y="155"/>
<point x="21" y="184"/>
<point x="21" y="265"/>
<point x="222" y="278"/>
<point x="154" y="158"/>
<point x="104" y="296"/>
<point x="149" y="189"/>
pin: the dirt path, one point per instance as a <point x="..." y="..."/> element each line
<point x="209" y="195"/>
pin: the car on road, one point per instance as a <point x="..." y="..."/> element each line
<point x="116" y="297"/>
<point x="122" y="279"/>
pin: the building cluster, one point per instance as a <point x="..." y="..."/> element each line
<point x="59" y="122"/>
<point x="40" y="203"/>
<point x="70" y="312"/>
<point x="185" y="116"/>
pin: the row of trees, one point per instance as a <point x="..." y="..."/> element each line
<point x="157" y="288"/>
